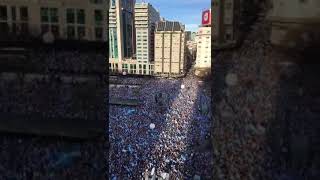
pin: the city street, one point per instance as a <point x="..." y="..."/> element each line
<point x="178" y="145"/>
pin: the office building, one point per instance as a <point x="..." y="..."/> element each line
<point x="64" y="19"/>
<point x="226" y="23"/>
<point x="121" y="35"/>
<point x="203" y="40"/>
<point x="170" y="47"/>
<point x="146" y="17"/>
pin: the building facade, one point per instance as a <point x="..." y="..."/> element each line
<point x="226" y="22"/>
<point x="170" y="48"/>
<point x="121" y="35"/>
<point x="146" y="17"/>
<point x="65" y="19"/>
<point x="203" y="40"/>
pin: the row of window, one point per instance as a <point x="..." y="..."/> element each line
<point x="23" y="13"/>
<point x="51" y="15"/>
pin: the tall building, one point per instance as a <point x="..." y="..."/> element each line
<point x="203" y="39"/>
<point x="226" y="23"/>
<point x="146" y="17"/>
<point x="121" y="34"/>
<point x="193" y="36"/>
<point x="65" y="19"/>
<point x="188" y="35"/>
<point x="170" y="47"/>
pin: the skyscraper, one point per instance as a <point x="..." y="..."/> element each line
<point x="121" y="33"/>
<point x="170" y="47"/>
<point x="146" y="17"/>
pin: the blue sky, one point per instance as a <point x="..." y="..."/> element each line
<point x="186" y="11"/>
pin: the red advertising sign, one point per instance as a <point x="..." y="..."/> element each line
<point x="206" y="17"/>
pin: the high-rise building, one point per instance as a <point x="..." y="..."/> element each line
<point x="170" y="47"/>
<point x="64" y="19"/>
<point x="226" y="23"/>
<point x="146" y="17"/>
<point x="193" y="36"/>
<point x="203" y="39"/>
<point x="121" y="34"/>
<point x="188" y="35"/>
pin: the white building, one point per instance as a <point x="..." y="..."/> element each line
<point x="146" y="17"/>
<point x="203" y="39"/>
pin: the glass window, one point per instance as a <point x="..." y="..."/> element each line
<point x="80" y="16"/>
<point x="4" y="28"/>
<point x="55" y="30"/>
<point x="44" y="28"/>
<point x="24" y="28"/>
<point x="70" y="15"/>
<point x="24" y="14"/>
<point x="98" y="16"/>
<point x="98" y="32"/>
<point x="54" y="15"/>
<point x="81" y="32"/>
<point x="3" y="13"/>
<point x="44" y="12"/>
<point x="71" y="32"/>
<point x="14" y="13"/>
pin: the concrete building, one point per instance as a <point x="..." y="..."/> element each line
<point x="193" y="36"/>
<point x="188" y="35"/>
<point x="170" y="48"/>
<point x="192" y="47"/>
<point x="65" y="19"/>
<point x="146" y="17"/>
<point x="226" y="23"/>
<point x="203" y="40"/>
<point x="121" y="35"/>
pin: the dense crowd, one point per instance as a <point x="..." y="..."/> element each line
<point x="49" y="60"/>
<point x="51" y="99"/>
<point x="257" y="130"/>
<point x="44" y="92"/>
<point x="44" y="158"/>
<point x="179" y="143"/>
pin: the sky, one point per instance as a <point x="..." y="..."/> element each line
<point x="188" y="12"/>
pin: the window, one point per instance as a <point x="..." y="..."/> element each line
<point x="3" y="13"/>
<point x="80" y="16"/>
<point x="14" y="13"/>
<point x="70" y="15"/>
<point x="98" y="16"/>
<point x="81" y="32"/>
<point x="4" y="28"/>
<point x="44" y="12"/>
<point x="24" y="14"/>
<point x="55" y="30"/>
<point x="71" y="33"/>
<point x="112" y="2"/>
<point x="24" y="28"/>
<point x="44" y="28"/>
<point x="54" y="15"/>
<point x="98" y="32"/>
<point x="96" y="1"/>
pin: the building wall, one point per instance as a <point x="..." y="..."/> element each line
<point x="52" y="16"/>
<point x="226" y="21"/>
<point x="169" y="53"/>
<point x="203" y="39"/>
<point x="145" y="19"/>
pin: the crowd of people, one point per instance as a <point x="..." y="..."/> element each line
<point x="50" y="60"/>
<point x="28" y="157"/>
<point x="257" y="130"/>
<point x="51" y="99"/>
<point x="152" y="139"/>
<point x="43" y="92"/>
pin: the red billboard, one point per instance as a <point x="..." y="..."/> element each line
<point x="206" y="17"/>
